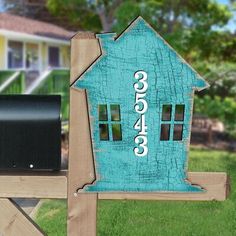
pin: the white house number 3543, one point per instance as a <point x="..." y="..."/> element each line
<point x="141" y="107"/>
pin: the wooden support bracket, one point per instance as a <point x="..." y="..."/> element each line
<point x="14" y="221"/>
<point x="33" y="185"/>
<point x="54" y="186"/>
<point x="82" y="214"/>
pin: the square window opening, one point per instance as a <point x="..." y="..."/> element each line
<point x="116" y="132"/>
<point x="165" y="132"/>
<point x="104" y="133"/>
<point x="178" y="132"/>
<point x="179" y="112"/>
<point x="102" y="111"/>
<point x="166" y="112"/>
<point x="115" y="112"/>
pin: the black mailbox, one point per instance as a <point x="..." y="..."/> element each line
<point x="30" y="130"/>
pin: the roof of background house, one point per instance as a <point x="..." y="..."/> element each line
<point x="34" y="27"/>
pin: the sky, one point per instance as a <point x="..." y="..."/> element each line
<point x="1" y="5"/>
<point x="231" y="25"/>
<point x="223" y="1"/>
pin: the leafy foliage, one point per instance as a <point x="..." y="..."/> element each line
<point x="187" y="25"/>
<point x="223" y="109"/>
<point x="191" y="27"/>
<point x="219" y="100"/>
<point x="221" y="77"/>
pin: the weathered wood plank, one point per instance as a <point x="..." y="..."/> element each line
<point x="82" y="213"/>
<point x="14" y="221"/>
<point x="81" y="208"/>
<point x="216" y="186"/>
<point x="33" y="185"/>
<point x="84" y="50"/>
<point x="55" y="186"/>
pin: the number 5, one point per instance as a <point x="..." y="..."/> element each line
<point x="139" y="99"/>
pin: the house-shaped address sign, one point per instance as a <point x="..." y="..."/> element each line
<point x="140" y="101"/>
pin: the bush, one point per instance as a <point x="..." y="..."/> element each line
<point x="223" y="109"/>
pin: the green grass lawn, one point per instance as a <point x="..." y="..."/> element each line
<point x="162" y="218"/>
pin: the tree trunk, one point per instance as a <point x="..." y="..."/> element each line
<point x="106" y="25"/>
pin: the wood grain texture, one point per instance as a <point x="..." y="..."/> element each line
<point x="84" y="50"/>
<point x="110" y="81"/>
<point x="217" y="188"/>
<point x="14" y="222"/>
<point x="82" y="209"/>
<point x="216" y="184"/>
<point x="33" y="185"/>
<point x="82" y="215"/>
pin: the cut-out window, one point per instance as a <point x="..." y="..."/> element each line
<point x="104" y="132"/>
<point x="115" y="112"/>
<point x="179" y="112"/>
<point x="116" y="132"/>
<point x="102" y="110"/>
<point x="109" y="119"/>
<point x="178" y="132"/>
<point x="172" y="120"/>
<point x="166" y="112"/>
<point x="165" y="132"/>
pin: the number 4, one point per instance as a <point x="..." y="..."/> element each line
<point x="141" y="126"/>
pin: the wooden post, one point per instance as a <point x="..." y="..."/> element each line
<point x="83" y="207"/>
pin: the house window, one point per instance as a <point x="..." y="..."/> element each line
<point x="172" y="122"/>
<point x="32" y="56"/>
<point x="15" y="55"/>
<point x="53" y="57"/>
<point x="109" y="122"/>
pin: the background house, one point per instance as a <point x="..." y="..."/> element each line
<point x="32" y="45"/>
<point x="34" y="57"/>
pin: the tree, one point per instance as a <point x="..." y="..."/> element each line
<point x="169" y="15"/>
<point x="90" y="14"/>
<point x="223" y="109"/>
<point x="190" y="26"/>
<point x="186" y="24"/>
<point x="24" y="7"/>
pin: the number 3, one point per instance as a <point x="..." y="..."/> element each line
<point x="142" y="80"/>
<point x="142" y="145"/>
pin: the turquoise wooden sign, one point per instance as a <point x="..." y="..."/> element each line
<point x="140" y="96"/>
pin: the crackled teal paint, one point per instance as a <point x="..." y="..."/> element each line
<point x="110" y="81"/>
